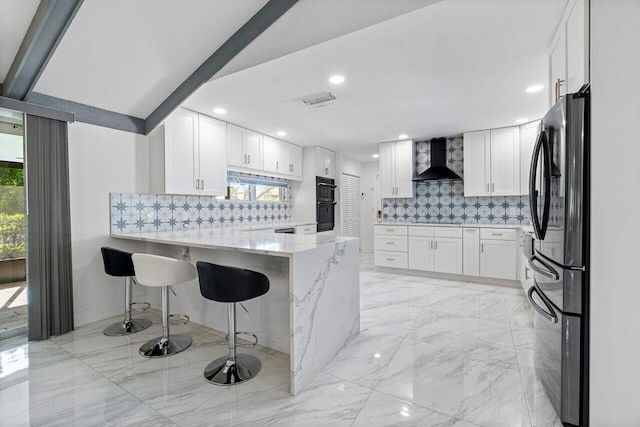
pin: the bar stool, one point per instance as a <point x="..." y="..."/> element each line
<point x="163" y="272"/>
<point x="118" y="263"/>
<point x="231" y="285"/>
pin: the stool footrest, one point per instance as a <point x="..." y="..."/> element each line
<point x="145" y="306"/>
<point x="255" y="337"/>
<point x="185" y="320"/>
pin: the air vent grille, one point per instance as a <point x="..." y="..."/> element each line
<point x="318" y="100"/>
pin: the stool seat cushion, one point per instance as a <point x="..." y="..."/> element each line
<point x="116" y="262"/>
<point x="154" y="270"/>
<point x="230" y="284"/>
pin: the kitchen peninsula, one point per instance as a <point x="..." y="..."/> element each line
<point x="312" y="309"/>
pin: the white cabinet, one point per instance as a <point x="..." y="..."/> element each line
<point x="396" y="169"/>
<point x="188" y="155"/>
<point x="498" y="253"/>
<point x="421" y="253"/>
<point x="295" y="159"/>
<point x="492" y="162"/>
<point x="281" y="157"/>
<point x="528" y="135"/>
<point x="244" y="148"/>
<point x="471" y="252"/>
<point x="390" y="243"/>
<point x="558" y="66"/>
<point x="448" y="255"/>
<point x="440" y="252"/>
<point x="325" y="163"/>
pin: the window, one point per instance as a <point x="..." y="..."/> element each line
<point x="269" y="193"/>
<point x="255" y="188"/>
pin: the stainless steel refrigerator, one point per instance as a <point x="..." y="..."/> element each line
<point x="559" y="202"/>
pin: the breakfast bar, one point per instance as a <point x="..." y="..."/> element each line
<point x="312" y="309"/>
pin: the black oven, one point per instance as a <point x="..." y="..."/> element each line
<point x="325" y="203"/>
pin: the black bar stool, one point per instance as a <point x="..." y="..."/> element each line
<point x="118" y="263"/>
<point x="231" y="285"/>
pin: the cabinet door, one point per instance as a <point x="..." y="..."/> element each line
<point x="577" y="70"/>
<point x="235" y="146"/>
<point x="181" y="139"/>
<point x="330" y="163"/>
<point x="320" y="165"/>
<point x="498" y="259"/>
<point x="212" y="165"/>
<point x="253" y="149"/>
<point x="528" y="135"/>
<point x="421" y="253"/>
<point x="471" y="252"/>
<point x="271" y="160"/>
<point x="295" y="160"/>
<point x="404" y="169"/>
<point x="477" y="163"/>
<point x="505" y="161"/>
<point x="282" y="157"/>
<point x="448" y="255"/>
<point x="387" y="170"/>
<point x="559" y="65"/>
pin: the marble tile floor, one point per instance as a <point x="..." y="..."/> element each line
<point x="432" y="352"/>
<point x="13" y="305"/>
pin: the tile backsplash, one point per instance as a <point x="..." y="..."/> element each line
<point x="165" y="212"/>
<point x="443" y="201"/>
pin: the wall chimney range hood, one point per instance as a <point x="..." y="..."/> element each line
<point x="438" y="169"/>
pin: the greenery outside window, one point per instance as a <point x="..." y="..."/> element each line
<point x="250" y="188"/>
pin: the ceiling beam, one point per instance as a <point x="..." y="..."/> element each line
<point x="50" y="22"/>
<point x="35" y="110"/>
<point x="259" y="22"/>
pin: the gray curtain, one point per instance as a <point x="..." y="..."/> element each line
<point x="49" y="273"/>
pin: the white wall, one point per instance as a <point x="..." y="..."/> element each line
<point x="615" y="203"/>
<point x="370" y="204"/>
<point x="101" y="160"/>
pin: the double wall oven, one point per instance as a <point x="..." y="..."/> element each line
<point x="325" y="203"/>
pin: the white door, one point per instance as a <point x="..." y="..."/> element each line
<point x="448" y="255"/>
<point x="320" y="165"/>
<point x="404" y="168"/>
<point x="498" y="259"/>
<point x="253" y="149"/>
<point x="421" y="253"/>
<point x="477" y="158"/>
<point x="330" y="163"/>
<point x="181" y="139"/>
<point x="271" y="147"/>
<point x="212" y="156"/>
<point x="471" y="252"/>
<point x="350" y="205"/>
<point x="387" y="170"/>
<point x="559" y="65"/>
<point x="235" y="146"/>
<point x="295" y="160"/>
<point x="528" y="135"/>
<point x="505" y="161"/>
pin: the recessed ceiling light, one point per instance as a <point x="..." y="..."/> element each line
<point x="522" y="120"/>
<point x="336" y="80"/>
<point x="403" y="136"/>
<point x="535" y="88"/>
<point x="281" y="133"/>
<point x="219" y="110"/>
<point x="375" y="156"/>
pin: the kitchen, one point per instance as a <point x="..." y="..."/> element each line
<point x="97" y="152"/>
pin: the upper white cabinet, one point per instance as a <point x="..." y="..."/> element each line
<point x="492" y="162"/>
<point x="325" y="163"/>
<point x="396" y="169"/>
<point x="528" y="135"/>
<point x="295" y="158"/>
<point x="188" y="155"/>
<point x="569" y="51"/>
<point x="282" y="158"/>
<point x="244" y="148"/>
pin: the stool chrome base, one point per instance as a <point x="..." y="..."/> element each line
<point x="162" y="347"/>
<point x="225" y="371"/>
<point x="126" y="327"/>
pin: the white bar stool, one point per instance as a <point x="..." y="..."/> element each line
<point x="162" y="272"/>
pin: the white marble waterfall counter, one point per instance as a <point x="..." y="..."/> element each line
<point x="312" y="309"/>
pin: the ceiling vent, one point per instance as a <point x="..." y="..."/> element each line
<point x="318" y="100"/>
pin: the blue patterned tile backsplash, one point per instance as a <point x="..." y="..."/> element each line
<point x="165" y="212"/>
<point x="443" y="201"/>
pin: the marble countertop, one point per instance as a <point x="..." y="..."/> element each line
<point x="263" y="241"/>
<point x="525" y="227"/>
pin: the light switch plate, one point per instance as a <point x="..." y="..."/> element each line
<point x="513" y="211"/>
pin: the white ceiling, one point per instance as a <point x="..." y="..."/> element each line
<point x="15" y="17"/>
<point x="454" y="66"/>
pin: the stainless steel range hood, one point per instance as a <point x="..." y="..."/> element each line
<point x="439" y="168"/>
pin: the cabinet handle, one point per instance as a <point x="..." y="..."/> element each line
<point x="526" y="273"/>
<point x="391" y="243"/>
<point x="431" y="244"/>
<point x="202" y="185"/>
<point x="470" y="230"/>
<point x="249" y="157"/>
<point x="389" y="230"/>
<point x="245" y="159"/>
<point x="291" y="167"/>
<point x="391" y="259"/>
<point x="435" y="244"/>
<point x="197" y="184"/>
<point x="493" y="186"/>
<point x="277" y="165"/>
<point x="559" y="83"/>
<point x="496" y="234"/>
<point x="326" y="171"/>
<point x="487" y="188"/>
<point x="482" y="247"/>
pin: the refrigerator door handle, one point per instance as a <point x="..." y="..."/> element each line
<point x="533" y="193"/>
<point x="541" y="147"/>
<point x="550" y="315"/>
<point x="547" y="271"/>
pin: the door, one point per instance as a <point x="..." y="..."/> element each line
<point x="181" y="141"/>
<point x="271" y="158"/>
<point x="505" y="161"/>
<point x="471" y="252"/>
<point x="212" y="158"/>
<point x="421" y="253"/>
<point x="253" y="149"/>
<point x="498" y="259"/>
<point x="295" y="158"/>
<point x="387" y="170"/>
<point x="350" y="205"/>
<point x="404" y="168"/>
<point x="528" y="135"/>
<point x="448" y="255"/>
<point x="477" y="163"/>
<point x="235" y="146"/>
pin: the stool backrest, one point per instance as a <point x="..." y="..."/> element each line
<point x="117" y="262"/>
<point x="230" y="284"/>
<point x="154" y="270"/>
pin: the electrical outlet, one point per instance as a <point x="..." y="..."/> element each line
<point x="149" y="216"/>
<point x="185" y="216"/>
<point x="513" y="211"/>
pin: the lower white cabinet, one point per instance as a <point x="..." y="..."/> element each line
<point x="471" y="252"/>
<point x="448" y="255"/>
<point x="421" y="253"/>
<point x="498" y="254"/>
<point x="391" y="259"/>
<point x="435" y="253"/>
